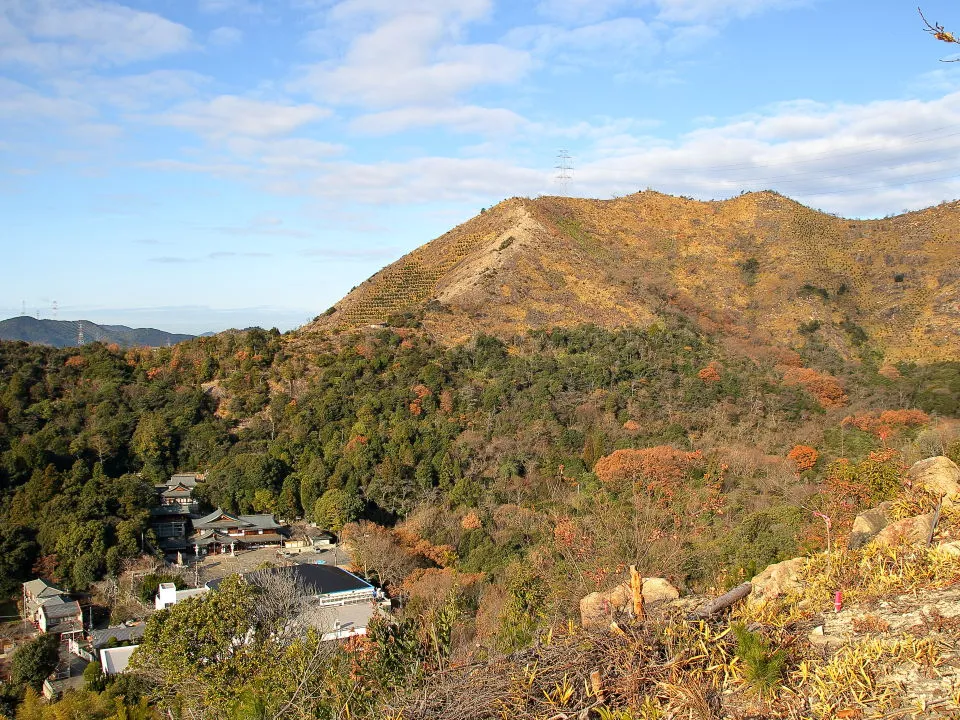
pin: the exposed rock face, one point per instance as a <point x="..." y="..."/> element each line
<point x="867" y="524"/>
<point x="776" y="580"/>
<point x="599" y="609"/>
<point x="940" y="475"/>
<point x="912" y="530"/>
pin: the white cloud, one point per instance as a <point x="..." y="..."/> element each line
<point x="411" y="56"/>
<point x="860" y="160"/>
<point x="463" y="119"/>
<point x="131" y="92"/>
<point x="225" y="37"/>
<point x="21" y="103"/>
<point x="52" y="34"/>
<point x="285" y="154"/>
<point x="700" y="11"/>
<point x="457" y="10"/>
<point x="229" y="115"/>
<point x="610" y="42"/>
<point x="230" y="6"/>
<point x="578" y="12"/>
<point x="864" y="159"/>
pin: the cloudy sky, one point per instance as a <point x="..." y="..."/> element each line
<point x="200" y="164"/>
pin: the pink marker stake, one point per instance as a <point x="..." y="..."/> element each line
<point x="838" y="601"/>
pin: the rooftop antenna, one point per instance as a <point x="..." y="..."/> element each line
<point x="79" y="332"/>
<point x="564" y="169"/>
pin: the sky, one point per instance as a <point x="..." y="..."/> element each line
<point x="195" y="165"/>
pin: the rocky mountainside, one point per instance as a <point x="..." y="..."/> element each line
<point x="64" y="333"/>
<point x="759" y="267"/>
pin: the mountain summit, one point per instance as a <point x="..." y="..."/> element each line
<point x="760" y="267"/>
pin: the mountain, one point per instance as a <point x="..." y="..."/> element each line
<point x="64" y="333"/>
<point x="759" y="268"/>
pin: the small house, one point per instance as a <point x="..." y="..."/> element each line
<point x="50" y="609"/>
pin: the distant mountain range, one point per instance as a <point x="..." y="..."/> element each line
<point x="65" y="333"/>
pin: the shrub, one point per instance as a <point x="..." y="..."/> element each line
<point x="762" y="667"/>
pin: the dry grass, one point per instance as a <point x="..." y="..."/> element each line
<point x="572" y="261"/>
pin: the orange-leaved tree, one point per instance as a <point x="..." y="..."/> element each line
<point x="658" y="470"/>
<point x="825" y="388"/>
<point x="804" y="457"/>
<point x="888" y="422"/>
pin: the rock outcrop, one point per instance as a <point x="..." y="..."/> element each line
<point x="867" y="524"/>
<point x="599" y="609"/>
<point x="776" y="580"/>
<point x="940" y="475"/>
<point x="912" y="530"/>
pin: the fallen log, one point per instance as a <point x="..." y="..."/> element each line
<point x="723" y="602"/>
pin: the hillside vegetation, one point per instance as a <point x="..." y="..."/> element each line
<point x="759" y="267"/>
<point x="491" y="466"/>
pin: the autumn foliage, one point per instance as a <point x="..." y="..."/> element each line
<point x="660" y="469"/>
<point x="888" y="422"/>
<point x="825" y="388"/>
<point x="710" y="374"/>
<point x="804" y="457"/>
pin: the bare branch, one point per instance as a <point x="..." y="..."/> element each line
<point x="940" y="33"/>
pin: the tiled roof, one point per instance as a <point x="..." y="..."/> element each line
<point x="247" y="522"/>
<point x="41" y="589"/>
<point x="123" y="633"/>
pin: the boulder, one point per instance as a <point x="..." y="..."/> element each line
<point x="776" y="580"/>
<point x="867" y="524"/>
<point x="912" y="530"/>
<point x="599" y="609"/>
<point x="658" y="590"/>
<point x="952" y="548"/>
<point x="939" y="475"/>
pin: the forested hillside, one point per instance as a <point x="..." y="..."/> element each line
<point x="508" y="477"/>
<point x="384" y="424"/>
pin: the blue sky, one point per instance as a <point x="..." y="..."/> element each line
<point x="201" y="164"/>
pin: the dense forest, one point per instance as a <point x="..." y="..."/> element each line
<point x="514" y="475"/>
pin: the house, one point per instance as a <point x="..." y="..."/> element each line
<point x="221" y="530"/>
<point x="314" y="541"/>
<point x="339" y="603"/>
<point x="51" y="610"/>
<point x="63" y="617"/>
<point x="167" y="595"/>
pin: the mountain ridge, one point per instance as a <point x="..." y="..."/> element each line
<point x="64" y="333"/>
<point x="759" y="267"/>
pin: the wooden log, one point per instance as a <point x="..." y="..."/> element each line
<point x="636" y="593"/>
<point x="724" y="601"/>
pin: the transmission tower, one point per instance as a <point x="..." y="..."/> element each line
<point x="53" y="307"/>
<point x="564" y="169"/>
<point x="79" y="332"/>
